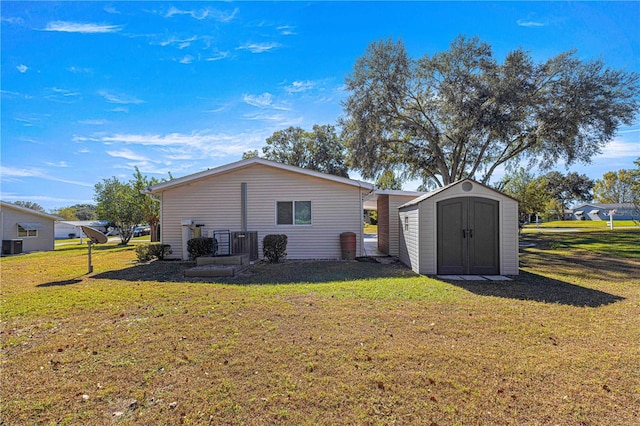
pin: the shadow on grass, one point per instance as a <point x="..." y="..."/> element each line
<point x="289" y="272"/>
<point x="60" y="283"/>
<point x="528" y="286"/>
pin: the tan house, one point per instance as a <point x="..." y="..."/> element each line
<point x="465" y="228"/>
<point x="25" y="230"/>
<point x="256" y="195"/>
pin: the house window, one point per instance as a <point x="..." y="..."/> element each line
<point x="26" y="230"/>
<point x="406" y="223"/>
<point x="293" y="212"/>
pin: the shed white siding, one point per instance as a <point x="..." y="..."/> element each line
<point x="395" y="224"/>
<point x="215" y="202"/>
<point x="409" y="235"/>
<point x="427" y="239"/>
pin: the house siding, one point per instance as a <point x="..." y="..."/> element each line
<point x="10" y="219"/>
<point x="215" y="202"/>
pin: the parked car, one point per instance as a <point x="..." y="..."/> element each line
<point x="139" y="231"/>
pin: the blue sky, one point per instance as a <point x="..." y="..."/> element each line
<point x="91" y="89"/>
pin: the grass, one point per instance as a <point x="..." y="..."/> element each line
<point x="324" y="342"/>
<point x="583" y="224"/>
<point x="370" y="229"/>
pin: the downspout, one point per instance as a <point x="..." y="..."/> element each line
<point x="243" y="207"/>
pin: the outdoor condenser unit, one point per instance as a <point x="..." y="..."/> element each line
<point x="11" y="246"/>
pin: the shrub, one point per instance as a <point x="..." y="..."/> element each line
<point x="274" y="247"/>
<point x="147" y="252"/>
<point x="202" y="246"/>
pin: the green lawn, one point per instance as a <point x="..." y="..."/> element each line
<point x="324" y="342"/>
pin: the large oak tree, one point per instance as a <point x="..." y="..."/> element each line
<point x="320" y="149"/>
<point x="461" y="113"/>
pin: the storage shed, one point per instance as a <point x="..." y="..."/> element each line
<point x="465" y="228"/>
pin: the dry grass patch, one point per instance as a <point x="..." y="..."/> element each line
<point x="319" y="343"/>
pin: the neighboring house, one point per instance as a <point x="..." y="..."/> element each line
<point x="600" y="211"/>
<point x="63" y="228"/>
<point x="464" y="228"/>
<point x="25" y="230"/>
<point x="386" y="202"/>
<point x="266" y="197"/>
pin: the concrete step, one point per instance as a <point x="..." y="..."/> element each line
<point x="206" y="271"/>
<point x="242" y="259"/>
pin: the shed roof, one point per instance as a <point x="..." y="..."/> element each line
<point x="451" y="185"/>
<point x="248" y="163"/>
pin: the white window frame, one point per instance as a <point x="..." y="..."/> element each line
<point x="27" y="233"/>
<point x="293" y="213"/>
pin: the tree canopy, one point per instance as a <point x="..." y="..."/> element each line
<point x="30" y="205"/>
<point x="320" y="149"/>
<point x="119" y="202"/>
<point x="530" y="191"/>
<point x="460" y="113"/>
<point x="570" y="188"/>
<point x="614" y="187"/>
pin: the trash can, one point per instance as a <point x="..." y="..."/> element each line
<point x="348" y="245"/>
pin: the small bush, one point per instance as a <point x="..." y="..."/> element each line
<point x="147" y="252"/>
<point x="274" y="247"/>
<point x="202" y="246"/>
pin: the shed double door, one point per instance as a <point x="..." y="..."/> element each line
<point x="468" y="236"/>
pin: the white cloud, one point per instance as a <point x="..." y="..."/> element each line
<point x="80" y="70"/>
<point x="259" y="47"/>
<point x="264" y="100"/>
<point x="83" y="28"/>
<point x="276" y="119"/>
<point x="96" y="122"/>
<point x="119" y="98"/>
<point x="186" y="59"/>
<point x="203" y="14"/>
<point x="260" y="101"/>
<point x="12" y="20"/>
<point x="180" y="42"/>
<point x="58" y="164"/>
<point x="619" y="148"/>
<point x="300" y="86"/>
<point x="530" y="23"/>
<point x="112" y="10"/>
<point x="15" y="172"/>
<point x="119" y="109"/>
<point x="128" y="155"/>
<point x="286" y="30"/>
<point x="64" y="92"/>
<point x="22" y="68"/>
<point x="217" y="56"/>
<point x="183" y="146"/>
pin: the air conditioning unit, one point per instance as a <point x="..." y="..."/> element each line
<point x="11" y="246"/>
